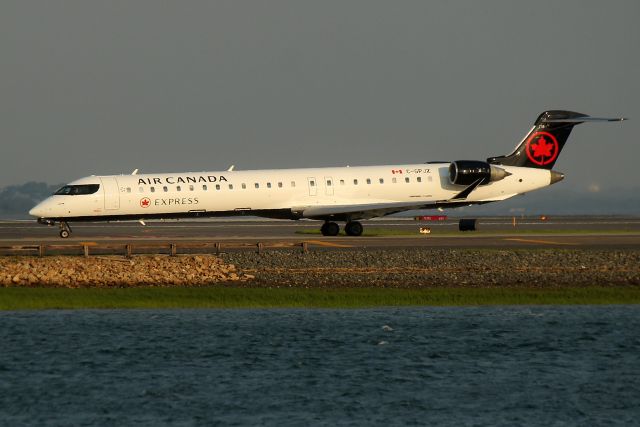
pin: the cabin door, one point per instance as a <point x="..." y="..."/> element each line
<point x="111" y="193"/>
<point x="313" y="186"/>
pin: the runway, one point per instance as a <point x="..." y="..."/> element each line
<point x="561" y="232"/>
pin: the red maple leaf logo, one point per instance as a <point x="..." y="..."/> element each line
<point x="145" y="202"/>
<point x="542" y="148"/>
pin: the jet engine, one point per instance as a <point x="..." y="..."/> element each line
<point x="466" y="172"/>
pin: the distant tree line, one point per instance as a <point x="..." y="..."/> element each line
<point x="16" y="200"/>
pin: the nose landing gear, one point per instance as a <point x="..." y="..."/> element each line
<point x="65" y="230"/>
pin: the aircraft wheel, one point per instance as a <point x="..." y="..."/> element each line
<point x="353" y="228"/>
<point x="64" y="234"/>
<point x="330" y="229"/>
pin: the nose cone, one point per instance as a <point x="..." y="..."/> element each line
<point x="38" y="211"/>
<point x="556" y="177"/>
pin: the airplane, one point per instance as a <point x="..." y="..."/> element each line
<point x="329" y="194"/>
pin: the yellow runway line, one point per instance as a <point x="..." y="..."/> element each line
<point x="546" y="242"/>
<point x="328" y="244"/>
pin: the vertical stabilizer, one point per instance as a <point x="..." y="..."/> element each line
<point x="542" y="145"/>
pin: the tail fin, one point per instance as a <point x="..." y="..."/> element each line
<point x="542" y="145"/>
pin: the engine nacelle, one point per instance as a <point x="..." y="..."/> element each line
<point x="466" y="172"/>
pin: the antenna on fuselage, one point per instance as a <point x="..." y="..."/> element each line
<point x="231" y="168"/>
<point x="135" y="172"/>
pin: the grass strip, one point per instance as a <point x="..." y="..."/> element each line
<point x="382" y="232"/>
<point x="221" y="297"/>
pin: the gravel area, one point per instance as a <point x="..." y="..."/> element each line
<point x="412" y="268"/>
<point x="116" y="271"/>
<point x="393" y="268"/>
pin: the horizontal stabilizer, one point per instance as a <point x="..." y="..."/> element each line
<point x="587" y="119"/>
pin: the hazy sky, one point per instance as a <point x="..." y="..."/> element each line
<point x="104" y="87"/>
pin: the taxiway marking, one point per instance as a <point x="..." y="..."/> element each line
<point x="328" y="244"/>
<point x="545" y="242"/>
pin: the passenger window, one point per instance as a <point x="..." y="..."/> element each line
<point x="244" y="186"/>
<point x="312" y="183"/>
<point x="406" y="179"/>
<point x="419" y="179"/>
<point x="217" y="186"/>
<point x="342" y="182"/>
<point x="355" y="182"/>
<point x="153" y="189"/>
<point x="279" y="185"/>
<point x="257" y="185"/>
<point x="204" y="187"/>
<point x="381" y="181"/>
<point x="328" y="183"/>
<point x="394" y="180"/>
<point x="178" y="188"/>
<point x="368" y="181"/>
<point x="165" y="189"/>
<point x="230" y="186"/>
<point x="293" y="184"/>
<point x="191" y="188"/>
<point x="128" y="189"/>
<point x="268" y="185"/>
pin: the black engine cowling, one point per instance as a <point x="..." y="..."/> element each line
<point x="466" y="172"/>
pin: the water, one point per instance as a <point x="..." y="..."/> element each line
<point x="447" y="366"/>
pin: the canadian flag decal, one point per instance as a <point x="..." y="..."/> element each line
<point x="395" y="171"/>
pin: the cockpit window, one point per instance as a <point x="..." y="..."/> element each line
<point x="76" y="190"/>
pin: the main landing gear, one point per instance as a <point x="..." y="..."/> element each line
<point x="330" y="229"/>
<point x="352" y="228"/>
<point x="65" y="230"/>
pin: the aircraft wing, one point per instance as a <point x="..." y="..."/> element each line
<point x="373" y="210"/>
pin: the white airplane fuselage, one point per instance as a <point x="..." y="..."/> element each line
<point x="330" y="194"/>
<point x="282" y="193"/>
